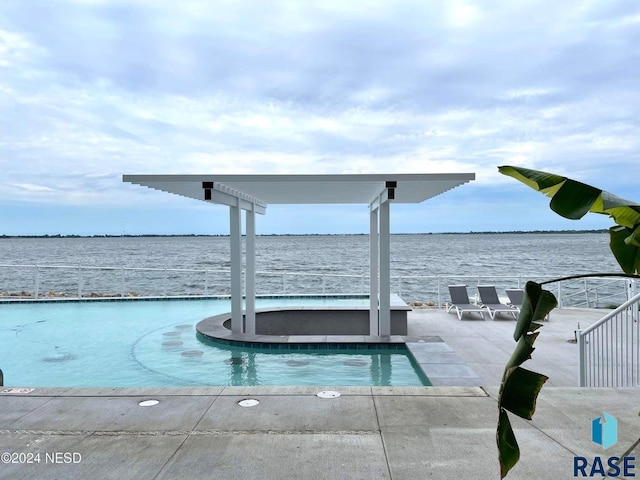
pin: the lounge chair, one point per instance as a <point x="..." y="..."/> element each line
<point x="490" y="301"/>
<point x="460" y="301"/>
<point x="516" y="297"/>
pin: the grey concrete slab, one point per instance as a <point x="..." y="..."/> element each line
<point x="487" y="346"/>
<point x="456" y="381"/>
<point x="292" y="412"/>
<point x="430" y="391"/>
<point x="115" y="414"/>
<point x="479" y="349"/>
<point x="436" y="357"/>
<point x="282" y="457"/>
<point x="566" y="415"/>
<point x="455" y="412"/>
<point x="430" y="347"/>
<point x="455" y="438"/>
<point x="114" y="457"/>
<point x="490" y="374"/>
<point x="440" y="370"/>
<point x="469" y="453"/>
<point x="432" y="339"/>
<point x="12" y="408"/>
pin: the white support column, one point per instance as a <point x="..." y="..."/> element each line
<point x="236" y="268"/>
<point x="385" y="270"/>
<point x="250" y="274"/>
<point x="373" y="273"/>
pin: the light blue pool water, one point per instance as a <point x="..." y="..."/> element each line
<point x="154" y="343"/>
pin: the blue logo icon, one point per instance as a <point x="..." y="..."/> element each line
<point x="604" y="430"/>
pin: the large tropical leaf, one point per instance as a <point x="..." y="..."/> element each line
<point x="573" y="199"/>
<point x="624" y="244"/>
<point x="508" y="449"/>
<point x="520" y="387"/>
<point x="517" y="394"/>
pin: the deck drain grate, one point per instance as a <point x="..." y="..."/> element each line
<point x="328" y="394"/>
<point x="248" y="402"/>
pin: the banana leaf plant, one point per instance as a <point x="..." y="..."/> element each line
<point x="571" y="199"/>
<point x="520" y="387"/>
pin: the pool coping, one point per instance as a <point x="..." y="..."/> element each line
<point x="239" y="391"/>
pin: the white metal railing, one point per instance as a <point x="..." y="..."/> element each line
<point x="609" y="349"/>
<point x="74" y="281"/>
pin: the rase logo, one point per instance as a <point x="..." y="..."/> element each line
<point x="604" y="432"/>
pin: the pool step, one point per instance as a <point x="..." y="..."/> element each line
<point x="442" y="365"/>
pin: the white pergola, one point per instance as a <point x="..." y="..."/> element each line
<point x="252" y="193"/>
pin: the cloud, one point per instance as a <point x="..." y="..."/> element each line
<point x="92" y="89"/>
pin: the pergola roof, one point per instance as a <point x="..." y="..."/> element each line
<point x="253" y="193"/>
<point x="308" y="189"/>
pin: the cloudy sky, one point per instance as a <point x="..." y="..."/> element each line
<point x="92" y="89"/>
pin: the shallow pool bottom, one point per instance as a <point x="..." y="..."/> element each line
<point x="154" y="343"/>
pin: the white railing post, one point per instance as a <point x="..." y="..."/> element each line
<point x="166" y="282"/>
<point x="632" y="288"/>
<point x="362" y="284"/>
<point x="559" y="295"/>
<point x="400" y="287"/>
<point x="323" y="283"/>
<point x="36" y="287"/>
<point x="586" y="292"/>
<point x="439" y="293"/>
<point x="284" y="283"/>
<point x="79" y="282"/>
<point x="206" y="283"/>
<point x="121" y="282"/>
<point x="582" y="364"/>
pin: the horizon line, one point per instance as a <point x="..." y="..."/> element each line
<point x="152" y="235"/>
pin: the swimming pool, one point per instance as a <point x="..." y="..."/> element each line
<point x="154" y="343"/>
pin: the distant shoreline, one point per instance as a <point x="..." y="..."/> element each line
<point x="151" y="235"/>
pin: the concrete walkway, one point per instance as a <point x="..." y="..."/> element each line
<point x="366" y="433"/>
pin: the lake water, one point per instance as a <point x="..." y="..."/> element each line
<point x="415" y="261"/>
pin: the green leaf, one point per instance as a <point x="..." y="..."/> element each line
<point x="534" y="178"/>
<point x="520" y="387"/>
<point x="573" y="199"/>
<point x="508" y="449"/>
<point x="536" y="304"/>
<point x="521" y="392"/>
<point x="522" y="352"/>
<point x="627" y="254"/>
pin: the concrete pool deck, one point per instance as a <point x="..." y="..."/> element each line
<point x="366" y="433"/>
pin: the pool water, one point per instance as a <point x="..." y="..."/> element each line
<point x="154" y="343"/>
